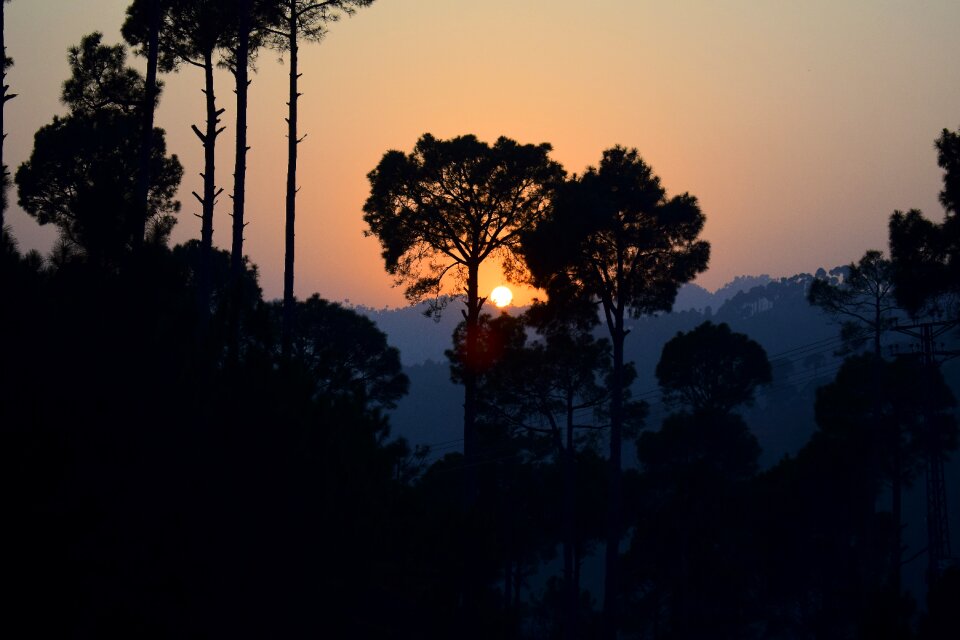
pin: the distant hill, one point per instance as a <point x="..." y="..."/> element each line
<point x="773" y="312"/>
<point x="800" y="341"/>
<point x="693" y="296"/>
<point x="421" y="338"/>
<point x="418" y="337"/>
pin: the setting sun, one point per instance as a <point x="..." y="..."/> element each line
<point x="501" y="296"/>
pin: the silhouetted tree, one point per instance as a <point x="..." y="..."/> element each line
<point x="925" y="254"/>
<point x="240" y="68"/>
<point x="346" y="355"/>
<point x="147" y="109"/>
<point x="301" y="20"/>
<point x="5" y="63"/>
<point x="863" y="299"/>
<point x="252" y="18"/>
<point x="448" y="206"/>
<point x="191" y="33"/>
<point x="254" y="322"/>
<point x="712" y="369"/>
<point x="889" y="417"/>
<point x="82" y="173"/>
<point x="100" y="80"/>
<point x="925" y="258"/>
<point x="569" y="371"/>
<point x="536" y="389"/>
<point x="689" y="558"/>
<point x="615" y="237"/>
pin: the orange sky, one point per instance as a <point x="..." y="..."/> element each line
<point x="800" y="126"/>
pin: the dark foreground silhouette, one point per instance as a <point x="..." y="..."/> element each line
<point x="181" y="458"/>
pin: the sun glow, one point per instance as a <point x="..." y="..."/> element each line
<point x="501" y="296"/>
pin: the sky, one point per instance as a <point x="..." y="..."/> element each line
<point x="799" y="126"/>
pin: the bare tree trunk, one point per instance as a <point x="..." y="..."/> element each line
<point x="3" y="134"/>
<point x="471" y="474"/>
<point x="292" y="142"/>
<point x="239" y="176"/>
<point x="146" y="144"/>
<point x="471" y="587"/>
<point x="210" y="192"/>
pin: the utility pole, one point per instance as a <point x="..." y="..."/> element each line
<point x="938" y="527"/>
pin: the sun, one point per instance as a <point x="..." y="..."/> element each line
<point x="501" y="296"/>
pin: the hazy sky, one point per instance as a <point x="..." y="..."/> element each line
<point x="800" y="126"/>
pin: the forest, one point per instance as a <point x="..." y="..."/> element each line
<point x="182" y="457"/>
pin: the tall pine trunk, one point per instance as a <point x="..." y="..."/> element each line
<point x="146" y="144"/>
<point x="239" y="177"/>
<point x="471" y="573"/>
<point x="470" y="445"/>
<point x="3" y="133"/>
<point x="292" y="142"/>
<point x="210" y="192"/>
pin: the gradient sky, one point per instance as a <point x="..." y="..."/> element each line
<point x="800" y="126"/>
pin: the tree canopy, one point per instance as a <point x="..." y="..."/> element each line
<point x="863" y="299"/>
<point x="347" y="355"/>
<point x="82" y="173"/>
<point x="712" y="369"/>
<point x="616" y="237"/>
<point x="190" y="29"/>
<point x="451" y="204"/>
<point x="926" y="254"/>
<point x="448" y="206"/>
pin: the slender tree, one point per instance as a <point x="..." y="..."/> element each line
<point x="241" y="67"/>
<point x="147" y="113"/>
<point x="5" y="63"/>
<point x="447" y="207"/>
<point x="302" y="20"/>
<point x="253" y="17"/>
<point x="192" y="31"/>
<point x="614" y="236"/>
<point x="863" y="299"/>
